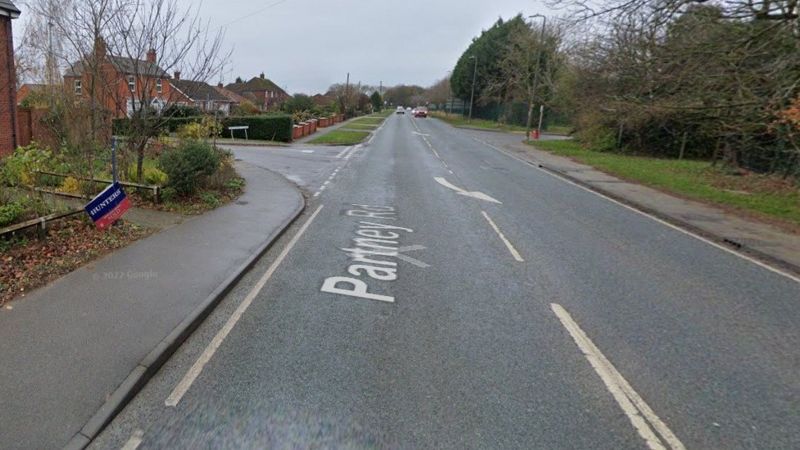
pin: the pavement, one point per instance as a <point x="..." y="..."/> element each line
<point x="762" y="240"/>
<point x="75" y="351"/>
<point x="439" y="293"/>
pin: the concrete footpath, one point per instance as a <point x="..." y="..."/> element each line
<point x="74" y="352"/>
<point x="763" y="241"/>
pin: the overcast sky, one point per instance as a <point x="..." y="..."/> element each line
<point x="307" y="45"/>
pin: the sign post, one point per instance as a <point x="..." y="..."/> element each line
<point x="108" y="206"/>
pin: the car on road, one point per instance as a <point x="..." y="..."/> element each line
<point x="421" y="112"/>
<point x="400" y="110"/>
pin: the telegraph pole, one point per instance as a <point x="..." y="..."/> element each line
<point x="346" y="92"/>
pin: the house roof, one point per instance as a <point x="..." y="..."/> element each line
<point x="7" y="8"/>
<point x="232" y="96"/>
<point x="255" y="84"/>
<point x="127" y="66"/>
<point x="198" y="91"/>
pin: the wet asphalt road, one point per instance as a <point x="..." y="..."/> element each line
<point x="454" y="340"/>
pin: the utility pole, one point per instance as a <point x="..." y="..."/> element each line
<point x="474" y="75"/>
<point x="346" y="92"/>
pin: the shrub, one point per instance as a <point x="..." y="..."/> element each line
<point x="188" y="165"/>
<point x="18" y="168"/>
<point x="207" y="127"/>
<point x="10" y="212"/>
<point x="275" y="127"/>
<point x="155" y="176"/>
<point x="71" y="186"/>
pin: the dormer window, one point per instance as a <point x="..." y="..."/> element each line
<point x="77" y="86"/>
<point x="131" y="83"/>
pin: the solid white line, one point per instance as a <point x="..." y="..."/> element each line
<point x="135" y="441"/>
<point x="763" y="265"/>
<point x="510" y="247"/>
<point x="184" y="385"/>
<point x="639" y="413"/>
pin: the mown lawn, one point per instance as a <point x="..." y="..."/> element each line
<point x="341" y="137"/>
<point x="457" y="120"/>
<point x="765" y="195"/>
<point x="362" y="126"/>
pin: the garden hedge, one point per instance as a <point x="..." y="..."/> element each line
<point x="274" y="127"/>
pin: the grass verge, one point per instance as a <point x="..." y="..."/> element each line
<point x="341" y="137"/>
<point x="766" y="196"/>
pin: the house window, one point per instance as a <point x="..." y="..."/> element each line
<point x="131" y="83"/>
<point x="159" y="86"/>
<point x="78" y="87"/>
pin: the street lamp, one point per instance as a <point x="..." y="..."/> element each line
<point x="472" y="96"/>
<point x="536" y="80"/>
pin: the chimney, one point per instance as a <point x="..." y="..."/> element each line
<point x="262" y="75"/>
<point x="219" y="85"/>
<point x="151" y="55"/>
<point x="177" y="75"/>
<point x="100" y="48"/>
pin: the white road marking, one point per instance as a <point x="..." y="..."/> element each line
<point x="342" y="152"/>
<point x="410" y="260"/>
<point x="308" y="151"/>
<point x="474" y="194"/>
<point x="184" y="385"/>
<point x="763" y="265"/>
<point x="641" y="416"/>
<point x="135" y="441"/>
<point x="510" y="247"/>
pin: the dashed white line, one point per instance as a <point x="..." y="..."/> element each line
<point x="763" y="265"/>
<point x="341" y="153"/>
<point x="644" y="420"/>
<point x="135" y="441"/>
<point x="503" y="238"/>
<point x="185" y="383"/>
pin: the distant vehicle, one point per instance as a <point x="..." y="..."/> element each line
<point x="408" y="108"/>
<point x="400" y="110"/>
<point x="421" y="112"/>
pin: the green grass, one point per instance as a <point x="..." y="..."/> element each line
<point x="341" y="137"/>
<point x="457" y="120"/>
<point x="763" y="195"/>
<point x="362" y="126"/>
<point x="366" y="120"/>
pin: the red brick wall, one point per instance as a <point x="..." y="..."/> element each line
<point x="8" y="103"/>
<point x="32" y="129"/>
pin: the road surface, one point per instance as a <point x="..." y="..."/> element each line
<point x="441" y="294"/>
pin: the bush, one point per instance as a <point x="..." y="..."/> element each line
<point x="18" y="168"/>
<point x="207" y="127"/>
<point x="276" y="127"/>
<point x="188" y="165"/>
<point x="71" y="186"/>
<point x="9" y="213"/>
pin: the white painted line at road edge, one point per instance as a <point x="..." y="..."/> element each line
<point x="510" y="247"/>
<point x="644" y="420"/>
<point x="135" y="441"/>
<point x="185" y="383"/>
<point x="763" y="265"/>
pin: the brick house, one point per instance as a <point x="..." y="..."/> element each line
<point x="28" y="89"/>
<point x="233" y="97"/>
<point x="261" y="91"/>
<point x="119" y="82"/>
<point x="8" y="80"/>
<point x="198" y="94"/>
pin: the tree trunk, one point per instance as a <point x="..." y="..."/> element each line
<point x="529" y="122"/>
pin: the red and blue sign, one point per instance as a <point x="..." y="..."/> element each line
<point x="108" y="206"/>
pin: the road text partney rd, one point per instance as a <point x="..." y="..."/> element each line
<point x="373" y="256"/>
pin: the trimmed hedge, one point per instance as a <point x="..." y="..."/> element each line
<point x="275" y="127"/>
<point x="267" y="128"/>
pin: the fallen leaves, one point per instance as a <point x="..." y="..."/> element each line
<point x="28" y="263"/>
